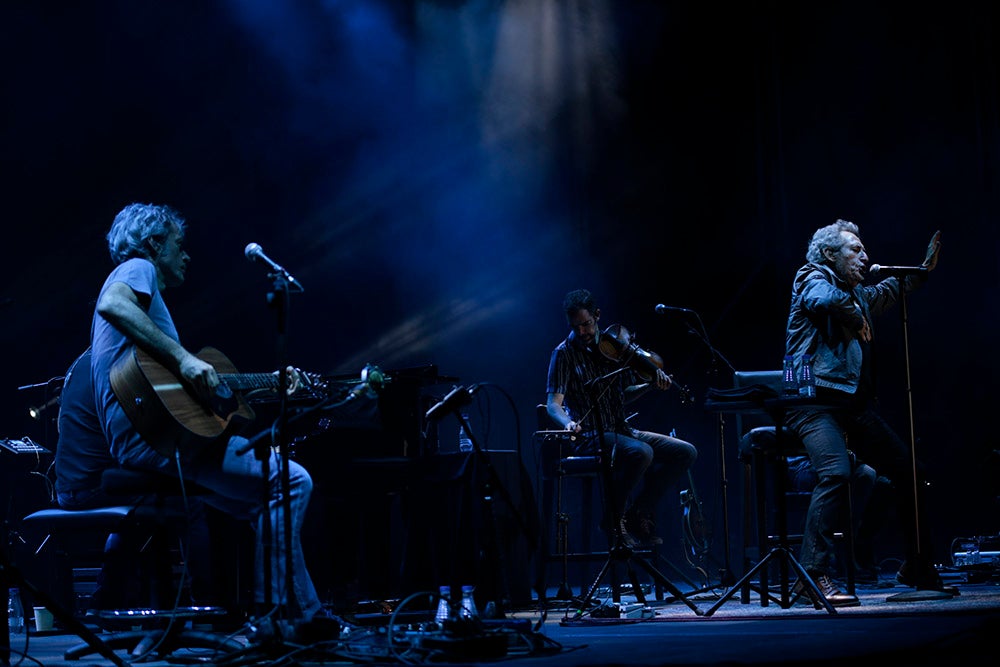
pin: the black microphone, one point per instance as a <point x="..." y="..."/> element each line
<point x="456" y="398"/>
<point x="877" y="270"/>
<point x="254" y="252"/>
<point x="663" y="310"/>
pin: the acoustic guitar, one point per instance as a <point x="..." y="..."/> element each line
<point x="168" y="414"/>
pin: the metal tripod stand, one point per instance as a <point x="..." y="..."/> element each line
<point x="621" y="552"/>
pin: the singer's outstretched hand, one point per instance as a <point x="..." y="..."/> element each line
<point x="933" y="248"/>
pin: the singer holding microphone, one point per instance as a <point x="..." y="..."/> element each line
<point x="146" y="243"/>
<point x="831" y="318"/>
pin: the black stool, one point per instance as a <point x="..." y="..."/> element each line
<point x="558" y="463"/>
<point x="762" y="463"/>
<point x="170" y="632"/>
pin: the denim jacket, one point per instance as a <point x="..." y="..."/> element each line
<point x="825" y="317"/>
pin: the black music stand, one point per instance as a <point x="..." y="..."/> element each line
<point x="775" y="408"/>
<point x="619" y="551"/>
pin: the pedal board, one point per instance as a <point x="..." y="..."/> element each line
<point x="622" y="610"/>
<point x="23" y="446"/>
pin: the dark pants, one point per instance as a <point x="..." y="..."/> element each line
<point x="825" y="434"/>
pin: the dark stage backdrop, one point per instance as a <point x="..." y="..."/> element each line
<point x="438" y="174"/>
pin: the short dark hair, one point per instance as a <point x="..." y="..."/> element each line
<point x="577" y="300"/>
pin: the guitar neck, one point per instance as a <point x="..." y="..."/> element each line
<point x="249" y="381"/>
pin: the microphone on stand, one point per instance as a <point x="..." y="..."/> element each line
<point x="456" y="398"/>
<point x="254" y="252"/>
<point x="664" y="310"/>
<point x="36" y="411"/>
<point x="877" y="270"/>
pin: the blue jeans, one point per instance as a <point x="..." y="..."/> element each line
<point x="825" y="434"/>
<point x="655" y="460"/>
<point x="236" y="483"/>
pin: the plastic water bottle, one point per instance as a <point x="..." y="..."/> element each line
<point x="464" y="441"/>
<point x="971" y="547"/>
<point x="468" y="609"/>
<point x="444" y="606"/>
<point x="807" y="383"/>
<point x="789" y="386"/>
<point x="15" y="611"/>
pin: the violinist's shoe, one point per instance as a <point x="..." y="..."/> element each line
<point x="627" y="539"/>
<point x="643" y="527"/>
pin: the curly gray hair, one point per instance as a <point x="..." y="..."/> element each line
<point x="829" y="238"/>
<point x="136" y="224"/>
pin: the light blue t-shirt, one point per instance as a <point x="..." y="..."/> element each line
<point x="109" y="345"/>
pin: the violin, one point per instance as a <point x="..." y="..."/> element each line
<point x="616" y="343"/>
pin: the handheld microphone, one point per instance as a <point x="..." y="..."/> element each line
<point x="254" y="252"/>
<point x="663" y="310"/>
<point x="877" y="270"/>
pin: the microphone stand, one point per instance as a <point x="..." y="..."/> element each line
<point x="915" y="595"/>
<point x="453" y="403"/>
<point x="726" y="577"/>
<point x="277" y="298"/>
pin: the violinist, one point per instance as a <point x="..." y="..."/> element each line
<point x="591" y="378"/>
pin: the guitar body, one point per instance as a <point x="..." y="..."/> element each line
<point x="167" y="414"/>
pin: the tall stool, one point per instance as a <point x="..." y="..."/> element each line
<point x="558" y="464"/>
<point x="762" y="464"/>
<point x="171" y="632"/>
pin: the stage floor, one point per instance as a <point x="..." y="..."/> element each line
<point x="665" y="632"/>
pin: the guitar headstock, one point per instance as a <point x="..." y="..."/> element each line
<point x="311" y="384"/>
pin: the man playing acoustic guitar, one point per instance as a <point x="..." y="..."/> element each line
<point x="131" y="320"/>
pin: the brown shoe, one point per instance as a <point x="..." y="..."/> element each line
<point x="627" y="539"/>
<point x="642" y="526"/>
<point x="833" y="595"/>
